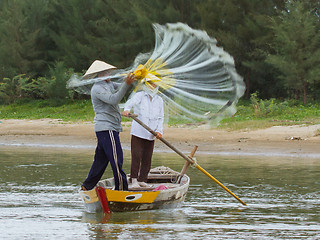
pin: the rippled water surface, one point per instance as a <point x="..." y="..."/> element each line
<point x="39" y="199"/>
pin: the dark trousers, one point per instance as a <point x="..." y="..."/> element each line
<point x="108" y="150"/>
<point x="141" y="154"/>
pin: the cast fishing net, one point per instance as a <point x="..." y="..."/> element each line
<point x="197" y="79"/>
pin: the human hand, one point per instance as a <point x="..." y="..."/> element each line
<point x="125" y="113"/>
<point x="130" y="78"/>
<point x="159" y="135"/>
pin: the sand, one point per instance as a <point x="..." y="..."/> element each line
<point x="296" y="141"/>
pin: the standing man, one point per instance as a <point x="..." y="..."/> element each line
<point x="106" y="96"/>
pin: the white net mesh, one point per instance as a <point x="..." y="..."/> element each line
<point x="197" y="79"/>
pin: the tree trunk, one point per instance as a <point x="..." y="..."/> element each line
<point x="182" y="11"/>
<point x="247" y="82"/>
<point x="297" y="92"/>
<point x="305" y="92"/>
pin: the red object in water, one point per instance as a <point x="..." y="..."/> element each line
<point x="103" y="199"/>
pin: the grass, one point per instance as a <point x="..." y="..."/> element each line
<point x="248" y="116"/>
<point x="282" y="114"/>
<point x="74" y="111"/>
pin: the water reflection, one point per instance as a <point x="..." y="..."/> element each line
<point x="39" y="199"/>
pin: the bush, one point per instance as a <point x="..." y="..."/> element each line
<point x="10" y="89"/>
<point x="263" y="108"/>
<point x="56" y="88"/>
<point x="52" y="87"/>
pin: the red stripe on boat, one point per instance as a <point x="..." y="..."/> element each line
<point x="103" y="199"/>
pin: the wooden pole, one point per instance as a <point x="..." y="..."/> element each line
<point x="187" y="164"/>
<point x="188" y="159"/>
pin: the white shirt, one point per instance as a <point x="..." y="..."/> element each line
<point x="150" y="112"/>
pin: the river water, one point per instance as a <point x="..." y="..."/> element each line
<point x="39" y="199"/>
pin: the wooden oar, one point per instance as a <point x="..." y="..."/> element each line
<point x="185" y="157"/>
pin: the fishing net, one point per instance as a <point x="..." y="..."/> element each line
<point x="197" y="79"/>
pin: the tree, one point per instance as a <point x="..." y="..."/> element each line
<point x="22" y="37"/>
<point x="240" y="28"/>
<point x="113" y="31"/>
<point x="296" y="52"/>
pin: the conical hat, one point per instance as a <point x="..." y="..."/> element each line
<point x="96" y="67"/>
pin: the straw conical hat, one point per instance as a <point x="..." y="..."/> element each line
<point x="96" y="67"/>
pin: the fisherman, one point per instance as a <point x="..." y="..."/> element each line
<point x="105" y="97"/>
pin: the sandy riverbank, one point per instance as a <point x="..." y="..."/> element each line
<point x="278" y="140"/>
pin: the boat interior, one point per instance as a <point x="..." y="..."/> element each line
<point x="159" y="178"/>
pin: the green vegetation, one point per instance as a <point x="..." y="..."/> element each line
<point x="25" y="87"/>
<point x="258" y="113"/>
<point x="252" y="114"/>
<point x="74" y="111"/>
<point x="275" y="44"/>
